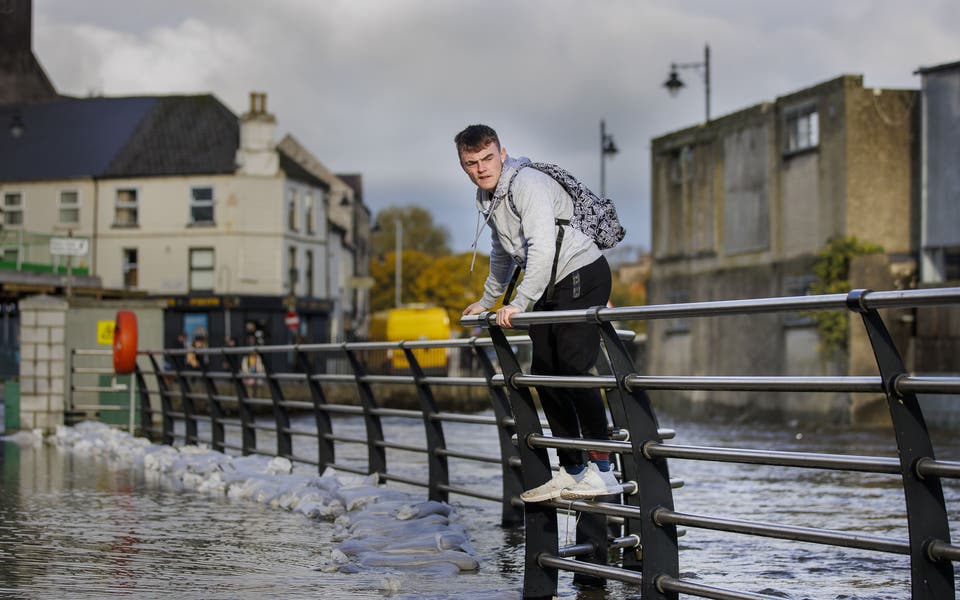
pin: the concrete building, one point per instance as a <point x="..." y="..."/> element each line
<point x="741" y="206"/>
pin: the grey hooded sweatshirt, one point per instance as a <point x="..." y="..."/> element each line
<point x="530" y="240"/>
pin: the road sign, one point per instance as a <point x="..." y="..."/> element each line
<point x="105" y="332"/>
<point x="292" y="321"/>
<point x="69" y="246"/>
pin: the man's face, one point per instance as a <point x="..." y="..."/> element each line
<point x="484" y="167"/>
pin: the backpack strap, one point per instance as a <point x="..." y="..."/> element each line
<point x="556" y="254"/>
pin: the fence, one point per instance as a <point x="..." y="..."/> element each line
<point x="640" y="528"/>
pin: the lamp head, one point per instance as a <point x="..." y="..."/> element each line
<point x="673" y="83"/>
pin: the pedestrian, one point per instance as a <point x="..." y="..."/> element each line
<point x="569" y="275"/>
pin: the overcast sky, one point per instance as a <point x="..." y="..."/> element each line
<point x="380" y="87"/>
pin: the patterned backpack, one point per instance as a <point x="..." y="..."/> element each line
<point x="594" y="216"/>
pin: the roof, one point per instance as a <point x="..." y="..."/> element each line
<point x="954" y="66"/>
<point x="120" y="137"/>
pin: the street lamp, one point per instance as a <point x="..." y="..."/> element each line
<point x="674" y="83"/>
<point x="607" y="147"/>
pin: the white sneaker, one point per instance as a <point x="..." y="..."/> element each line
<point x="594" y="483"/>
<point x="561" y="480"/>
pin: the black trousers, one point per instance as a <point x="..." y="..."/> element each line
<point x="572" y="349"/>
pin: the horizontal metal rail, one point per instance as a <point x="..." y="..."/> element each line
<point x="206" y="393"/>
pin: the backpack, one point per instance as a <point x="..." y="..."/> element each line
<point x="594" y="216"/>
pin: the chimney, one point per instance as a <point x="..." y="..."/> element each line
<point x="257" y="154"/>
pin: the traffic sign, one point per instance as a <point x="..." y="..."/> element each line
<point x="292" y="321"/>
<point x="69" y="246"/>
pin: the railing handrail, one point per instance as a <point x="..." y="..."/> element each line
<point x="637" y="440"/>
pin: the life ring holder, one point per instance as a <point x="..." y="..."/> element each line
<point x="125" y="342"/>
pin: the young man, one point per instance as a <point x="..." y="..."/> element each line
<point x="525" y="234"/>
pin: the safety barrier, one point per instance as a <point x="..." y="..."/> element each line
<point x="632" y="538"/>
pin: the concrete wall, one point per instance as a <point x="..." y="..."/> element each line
<point x="50" y="328"/>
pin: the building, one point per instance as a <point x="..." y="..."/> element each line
<point x="182" y="200"/>
<point x="743" y="204"/>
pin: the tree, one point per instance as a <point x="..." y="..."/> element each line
<point x="383" y="269"/>
<point x="419" y="232"/>
<point x="448" y="283"/>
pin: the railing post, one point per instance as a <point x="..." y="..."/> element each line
<point x="439" y="472"/>
<point x="166" y="405"/>
<point x="376" y="453"/>
<point x="660" y="551"/>
<point x="217" y="433"/>
<point x="510" y="513"/>
<point x="540" y="518"/>
<point x="280" y="414"/>
<point x="146" y="412"/>
<point x="927" y="519"/>
<point x="186" y="400"/>
<point x="325" y="446"/>
<point x="248" y="434"/>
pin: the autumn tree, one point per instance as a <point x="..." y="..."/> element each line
<point x="420" y="233"/>
<point x="383" y="271"/>
<point x="449" y="283"/>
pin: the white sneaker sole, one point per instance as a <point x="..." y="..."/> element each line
<point x="571" y="494"/>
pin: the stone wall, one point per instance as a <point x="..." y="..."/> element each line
<point x="42" y="361"/>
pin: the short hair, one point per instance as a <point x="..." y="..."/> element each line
<point x="475" y="138"/>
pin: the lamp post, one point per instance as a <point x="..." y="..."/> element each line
<point x="607" y="147"/>
<point x="398" y="268"/>
<point x="674" y="83"/>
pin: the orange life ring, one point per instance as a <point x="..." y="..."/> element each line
<point x="125" y="342"/>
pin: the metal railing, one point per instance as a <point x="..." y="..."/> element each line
<point x="633" y="538"/>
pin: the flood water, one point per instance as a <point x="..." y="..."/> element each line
<point x="72" y="525"/>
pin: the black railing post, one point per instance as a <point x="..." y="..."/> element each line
<point x="660" y="551"/>
<point x="166" y="404"/>
<point x="325" y="446"/>
<point x="248" y="433"/>
<point x="540" y="518"/>
<point x="217" y="439"/>
<point x="376" y="453"/>
<point x="186" y="400"/>
<point x="510" y="513"/>
<point x="281" y="416"/>
<point x="146" y="412"/>
<point x="438" y="470"/>
<point x="927" y="519"/>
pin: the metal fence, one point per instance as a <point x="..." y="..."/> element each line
<point x="630" y="538"/>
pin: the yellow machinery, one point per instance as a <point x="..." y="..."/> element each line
<point x="410" y="323"/>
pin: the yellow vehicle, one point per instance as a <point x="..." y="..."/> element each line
<point x="410" y="323"/>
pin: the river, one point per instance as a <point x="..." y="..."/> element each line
<point x="78" y="526"/>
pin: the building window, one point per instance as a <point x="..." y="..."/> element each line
<point x="201" y="206"/>
<point x="803" y="129"/>
<point x="69" y="207"/>
<point x="308" y="273"/>
<point x="292" y="274"/>
<point x="130" y="267"/>
<point x="201" y="269"/>
<point x="798" y="286"/>
<point x="292" y="210"/>
<point x="678" y="324"/>
<point x="941" y="264"/>
<point x="308" y="223"/>
<point x="13" y="209"/>
<point x="9" y="254"/>
<point x="126" y="209"/>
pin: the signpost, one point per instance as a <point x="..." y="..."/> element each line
<point x="292" y="321"/>
<point x="69" y="247"/>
